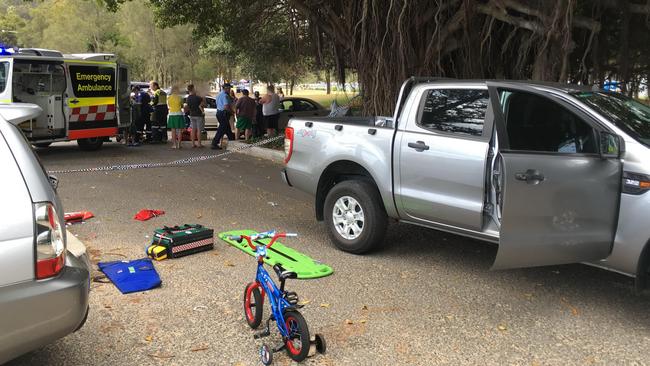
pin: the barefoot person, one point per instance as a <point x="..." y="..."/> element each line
<point x="196" y="105"/>
<point x="271" y="110"/>
<point x="175" y="118"/>
<point x="245" y="109"/>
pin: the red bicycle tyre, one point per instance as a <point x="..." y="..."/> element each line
<point x="253" y="305"/>
<point x="297" y="344"/>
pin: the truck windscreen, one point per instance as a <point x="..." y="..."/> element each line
<point x="626" y="113"/>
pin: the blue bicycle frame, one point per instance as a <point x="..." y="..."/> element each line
<point x="278" y="303"/>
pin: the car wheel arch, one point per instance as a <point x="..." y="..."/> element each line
<point x="337" y="172"/>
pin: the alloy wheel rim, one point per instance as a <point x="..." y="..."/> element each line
<point x="348" y="217"/>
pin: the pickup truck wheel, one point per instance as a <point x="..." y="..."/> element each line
<point x="355" y="216"/>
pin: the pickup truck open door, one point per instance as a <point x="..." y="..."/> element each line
<point x="561" y="182"/>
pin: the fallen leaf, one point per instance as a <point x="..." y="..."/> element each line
<point x="199" y="216"/>
<point x="364" y="307"/>
<point x="304" y="302"/>
<point x="148" y="338"/>
<point x="201" y="347"/>
<point x="161" y="355"/>
<point x="362" y="321"/>
<point x="229" y="264"/>
<point x="324" y="305"/>
<point x="573" y="309"/>
<point x="212" y="198"/>
<point x="348" y="321"/>
<point x="107" y="306"/>
<point x="502" y="327"/>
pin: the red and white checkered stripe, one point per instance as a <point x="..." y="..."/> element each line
<point x="93" y="113"/>
<point x="196" y="244"/>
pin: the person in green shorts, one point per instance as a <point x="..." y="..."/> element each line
<point x="175" y="118"/>
<point x="245" y="110"/>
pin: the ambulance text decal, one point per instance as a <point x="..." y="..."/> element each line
<point x="92" y="81"/>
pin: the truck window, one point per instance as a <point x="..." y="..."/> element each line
<point x="536" y="123"/>
<point x="4" y="75"/>
<point x="459" y="111"/>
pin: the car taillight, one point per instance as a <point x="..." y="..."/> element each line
<point x="288" y="144"/>
<point x="50" y="246"/>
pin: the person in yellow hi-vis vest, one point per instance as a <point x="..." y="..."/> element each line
<point x="175" y="119"/>
<point x="159" y="122"/>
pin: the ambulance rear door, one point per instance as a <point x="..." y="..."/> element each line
<point x="91" y="99"/>
<point x="123" y="97"/>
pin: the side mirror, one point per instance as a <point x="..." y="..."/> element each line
<point x="611" y="146"/>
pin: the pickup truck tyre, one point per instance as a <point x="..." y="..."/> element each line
<point x="90" y="144"/>
<point x="355" y="216"/>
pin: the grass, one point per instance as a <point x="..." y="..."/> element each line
<point x="324" y="99"/>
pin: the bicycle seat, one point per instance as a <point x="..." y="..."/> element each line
<point x="284" y="274"/>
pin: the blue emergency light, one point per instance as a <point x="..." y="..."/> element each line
<point x="7" y="51"/>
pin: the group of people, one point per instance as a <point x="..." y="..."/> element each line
<point x="250" y="115"/>
<point x="154" y="112"/>
<point x="149" y="115"/>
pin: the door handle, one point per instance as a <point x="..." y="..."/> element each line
<point x="418" y="146"/>
<point x="531" y="176"/>
<point x="74" y="101"/>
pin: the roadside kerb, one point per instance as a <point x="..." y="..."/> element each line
<point x="276" y="156"/>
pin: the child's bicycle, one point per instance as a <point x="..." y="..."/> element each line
<point x="284" y="305"/>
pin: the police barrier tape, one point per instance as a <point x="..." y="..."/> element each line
<point x="179" y="162"/>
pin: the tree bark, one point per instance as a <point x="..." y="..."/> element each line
<point x="328" y="82"/>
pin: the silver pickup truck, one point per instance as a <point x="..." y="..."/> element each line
<point x="552" y="173"/>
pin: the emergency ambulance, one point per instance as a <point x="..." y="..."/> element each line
<point x="84" y="97"/>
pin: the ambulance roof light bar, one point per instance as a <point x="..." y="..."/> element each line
<point x="39" y="52"/>
<point x="7" y="51"/>
<point x="93" y="56"/>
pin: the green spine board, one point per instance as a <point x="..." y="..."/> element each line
<point x="290" y="259"/>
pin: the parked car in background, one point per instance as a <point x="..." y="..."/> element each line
<point x="552" y="173"/>
<point x="210" y="112"/>
<point x="143" y="85"/>
<point x="298" y="107"/>
<point x="290" y="107"/>
<point x="43" y="286"/>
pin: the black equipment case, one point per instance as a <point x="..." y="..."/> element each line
<point x="178" y="241"/>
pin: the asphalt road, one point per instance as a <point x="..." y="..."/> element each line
<point x="425" y="298"/>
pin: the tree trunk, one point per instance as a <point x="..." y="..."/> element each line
<point x="291" y="84"/>
<point x="328" y="81"/>
<point x="624" y="50"/>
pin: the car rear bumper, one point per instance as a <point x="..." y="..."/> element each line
<point x="35" y="313"/>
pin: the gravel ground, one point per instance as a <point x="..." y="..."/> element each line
<point x="424" y="298"/>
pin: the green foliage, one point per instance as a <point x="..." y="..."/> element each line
<point x="10" y="24"/>
<point x="152" y="47"/>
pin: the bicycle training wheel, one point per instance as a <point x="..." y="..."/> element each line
<point x="253" y="305"/>
<point x="297" y="344"/>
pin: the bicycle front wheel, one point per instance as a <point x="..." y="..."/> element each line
<point x="297" y="344"/>
<point x="253" y="305"/>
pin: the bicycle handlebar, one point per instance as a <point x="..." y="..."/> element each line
<point x="263" y="235"/>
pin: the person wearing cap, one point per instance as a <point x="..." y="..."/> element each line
<point x="224" y="110"/>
